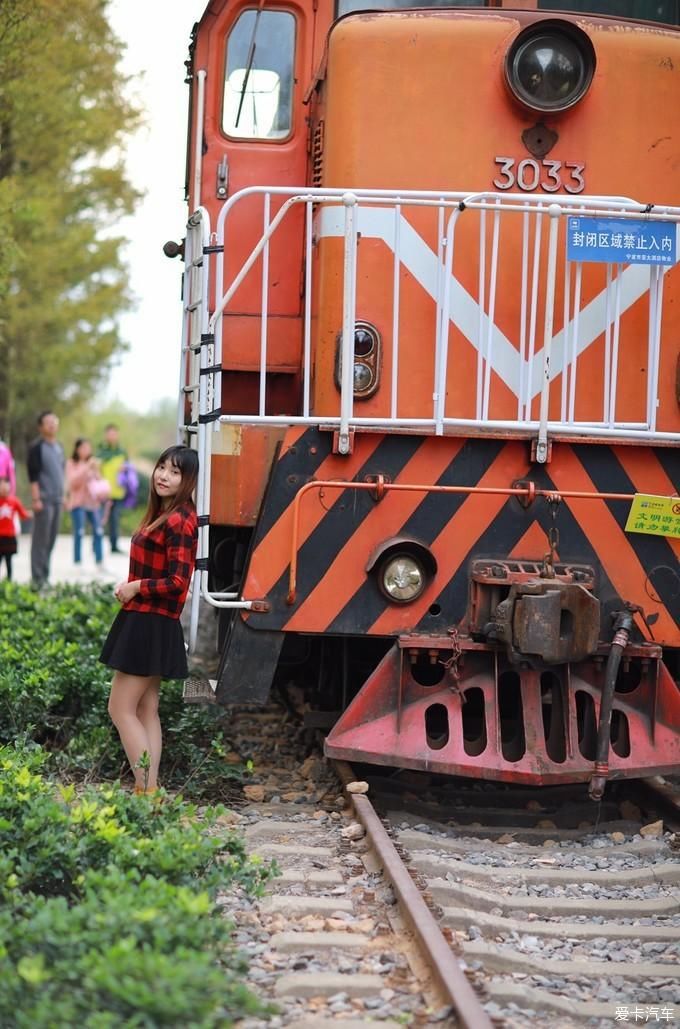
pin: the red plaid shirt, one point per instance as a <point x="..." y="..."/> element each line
<point x="163" y="560"/>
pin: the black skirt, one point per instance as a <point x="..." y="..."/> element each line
<point x="140" y="643"/>
<point x="8" y="545"/>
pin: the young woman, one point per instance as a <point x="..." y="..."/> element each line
<point x="83" y="498"/>
<point x="145" y="643"/>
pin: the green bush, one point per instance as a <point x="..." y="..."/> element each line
<point x="107" y="906"/>
<point x="127" y="954"/>
<point x="52" y="835"/>
<point x="52" y="687"/>
<point x="108" y="901"/>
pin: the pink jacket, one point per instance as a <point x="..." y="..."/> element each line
<point x="7" y="467"/>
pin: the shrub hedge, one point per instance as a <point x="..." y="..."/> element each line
<point x="108" y="913"/>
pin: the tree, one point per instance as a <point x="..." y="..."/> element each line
<point x="63" y="119"/>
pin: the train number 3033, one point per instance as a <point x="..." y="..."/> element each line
<point x="530" y="175"/>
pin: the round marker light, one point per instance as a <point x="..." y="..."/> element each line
<point x="402" y="578"/>
<point x="550" y="68"/>
<point x="364" y="342"/>
<point x="363" y="377"/>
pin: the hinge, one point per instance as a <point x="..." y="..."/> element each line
<point x="541" y="451"/>
<point x="343" y="445"/>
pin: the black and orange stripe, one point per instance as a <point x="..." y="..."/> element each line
<point x="340" y="528"/>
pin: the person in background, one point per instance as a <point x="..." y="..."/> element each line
<point x="7" y="469"/>
<point x="46" y="477"/>
<point x="84" y="498"/>
<point x="145" y="643"/>
<point x="10" y="507"/>
<point x="112" y="457"/>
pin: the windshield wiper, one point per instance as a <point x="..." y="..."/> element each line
<point x="249" y="63"/>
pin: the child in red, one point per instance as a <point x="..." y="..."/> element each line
<point x="10" y="507"/>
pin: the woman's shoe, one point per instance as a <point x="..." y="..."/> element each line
<point x="152" y="791"/>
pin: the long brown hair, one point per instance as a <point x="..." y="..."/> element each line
<point x="185" y="460"/>
<point x="75" y="456"/>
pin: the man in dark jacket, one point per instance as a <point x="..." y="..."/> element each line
<point x="46" y="476"/>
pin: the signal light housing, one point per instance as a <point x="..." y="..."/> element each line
<point x="550" y="66"/>
<point x="367" y="355"/>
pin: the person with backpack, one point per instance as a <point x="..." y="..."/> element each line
<point x="112" y="457"/>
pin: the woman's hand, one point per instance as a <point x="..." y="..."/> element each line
<point x="125" y="591"/>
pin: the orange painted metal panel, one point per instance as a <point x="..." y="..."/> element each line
<point x="382" y="727"/>
<point x="239" y="478"/>
<point x="241" y="343"/>
<point x="407" y="62"/>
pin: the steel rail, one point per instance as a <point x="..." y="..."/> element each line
<point x="437" y="951"/>
<point x="380" y="487"/>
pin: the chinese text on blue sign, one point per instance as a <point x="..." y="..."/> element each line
<point x="621" y="241"/>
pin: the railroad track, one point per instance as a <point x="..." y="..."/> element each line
<point x="327" y="945"/>
<point x="498" y="907"/>
<point x="568" y="915"/>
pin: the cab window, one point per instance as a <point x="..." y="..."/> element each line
<point x="258" y="83"/>
<point x="352" y="6"/>
<point x="667" y="11"/>
<point x="641" y="10"/>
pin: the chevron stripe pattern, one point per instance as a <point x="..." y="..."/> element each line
<point x="339" y="529"/>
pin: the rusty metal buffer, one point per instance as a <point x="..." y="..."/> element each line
<point x="454" y="706"/>
<point x="519" y="696"/>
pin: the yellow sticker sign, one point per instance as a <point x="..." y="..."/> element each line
<point x="658" y="516"/>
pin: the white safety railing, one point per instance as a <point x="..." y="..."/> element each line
<point x="367" y="213"/>
<point x="571" y="344"/>
<point x="528" y="362"/>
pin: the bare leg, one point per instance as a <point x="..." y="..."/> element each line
<point x="126" y="693"/>
<point x="147" y="713"/>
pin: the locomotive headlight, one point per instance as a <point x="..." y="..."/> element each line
<point x="402" y="578"/>
<point x="550" y="66"/>
<point x="403" y="568"/>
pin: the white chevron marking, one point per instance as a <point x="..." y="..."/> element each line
<point x="422" y="263"/>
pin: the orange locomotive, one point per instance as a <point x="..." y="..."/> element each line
<point x="430" y="358"/>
